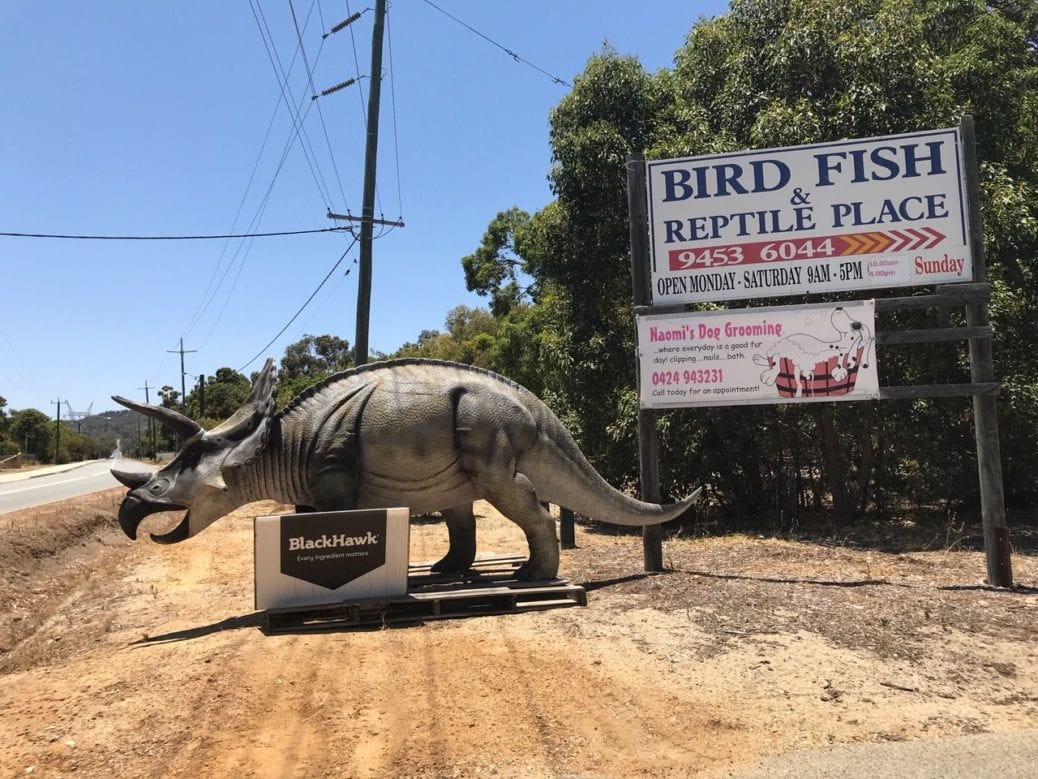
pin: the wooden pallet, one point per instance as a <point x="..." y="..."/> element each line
<point x="490" y="587"/>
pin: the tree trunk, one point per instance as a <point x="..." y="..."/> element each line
<point x="861" y="493"/>
<point x="835" y="464"/>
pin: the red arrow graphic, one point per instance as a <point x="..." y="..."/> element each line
<point x="796" y="249"/>
<point x="891" y="241"/>
<point x="936" y="237"/>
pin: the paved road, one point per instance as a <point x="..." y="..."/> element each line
<point x="994" y="755"/>
<point x="28" y="490"/>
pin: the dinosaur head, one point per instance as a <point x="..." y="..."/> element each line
<point x="194" y="480"/>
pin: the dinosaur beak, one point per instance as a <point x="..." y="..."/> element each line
<point x="133" y="511"/>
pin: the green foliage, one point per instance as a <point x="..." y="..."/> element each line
<point x="224" y="392"/>
<point x="169" y="397"/>
<point x="289" y="388"/>
<point x="7" y="446"/>
<point x="34" y="430"/>
<point x="76" y="446"/>
<point x="776" y="73"/>
<point x="316" y="356"/>
<point x="493" y="269"/>
<point x="34" y="433"/>
<point x="470" y="339"/>
<point x="310" y="360"/>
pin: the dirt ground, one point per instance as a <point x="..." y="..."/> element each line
<point x="134" y="659"/>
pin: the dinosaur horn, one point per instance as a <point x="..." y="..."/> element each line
<point x="174" y="420"/>
<point x="132" y="479"/>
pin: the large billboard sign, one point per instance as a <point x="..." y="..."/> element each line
<point x="859" y="214"/>
<point x="785" y="354"/>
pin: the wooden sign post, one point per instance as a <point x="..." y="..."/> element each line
<point x="702" y="259"/>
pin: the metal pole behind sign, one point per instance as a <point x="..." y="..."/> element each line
<point x="648" y="450"/>
<point x="985" y="408"/>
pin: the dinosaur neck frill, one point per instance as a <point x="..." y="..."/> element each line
<point x="271" y="475"/>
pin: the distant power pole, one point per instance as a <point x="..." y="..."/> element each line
<point x="201" y="395"/>
<point x="183" y="385"/>
<point x="151" y="422"/>
<point x="57" y="429"/>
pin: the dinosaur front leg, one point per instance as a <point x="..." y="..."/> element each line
<point x="461" y="529"/>
<point x="334" y="489"/>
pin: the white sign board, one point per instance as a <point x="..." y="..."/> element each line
<point x="330" y="557"/>
<point x="860" y="214"/>
<point x="784" y="354"/>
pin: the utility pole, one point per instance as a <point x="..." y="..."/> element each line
<point x="183" y="386"/>
<point x="57" y="429"/>
<point x="360" y="347"/>
<point x="201" y="395"/>
<point x="151" y="422"/>
<point x="367" y="218"/>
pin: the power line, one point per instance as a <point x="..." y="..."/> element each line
<point x="203" y="304"/>
<point x="360" y="89"/>
<point x="63" y="236"/>
<point x="246" y="245"/>
<point x="301" y="308"/>
<point x="207" y="298"/>
<point x="26" y="378"/>
<point x="320" y="113"/>
<point x="392" y="92"/>
<point x="297" y="121"/>
<point x="330" y="296"/>
<point x="505" y="49"/>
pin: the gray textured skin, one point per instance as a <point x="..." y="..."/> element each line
<point x="432" y="436"/>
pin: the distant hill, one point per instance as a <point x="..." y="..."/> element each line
<point x="107" y="426"/>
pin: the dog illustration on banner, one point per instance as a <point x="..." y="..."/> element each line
<point x="803" y="366"/>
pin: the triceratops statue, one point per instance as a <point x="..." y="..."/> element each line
<point x="429" y="435"/>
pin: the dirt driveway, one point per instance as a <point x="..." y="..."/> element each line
<point x="134" y="659"/>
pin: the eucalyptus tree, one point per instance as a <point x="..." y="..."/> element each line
<point x="776" y="73"/>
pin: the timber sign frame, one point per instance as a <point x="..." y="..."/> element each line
<point x="869" y="213"/>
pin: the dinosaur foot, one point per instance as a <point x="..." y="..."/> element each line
<point x="453" y="564"/>
<point x="535" y="571"/>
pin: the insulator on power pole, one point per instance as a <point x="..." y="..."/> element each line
<point x="336" y="88"/>
<point x="344" y="23"/>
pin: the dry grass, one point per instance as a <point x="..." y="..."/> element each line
<point x="883" y="587"/>
<point x="46" y="552"/>
<point x="877" y="589"/>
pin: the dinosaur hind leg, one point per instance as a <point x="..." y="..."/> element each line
<point x="461" y="529"/>
<point x="490" y="436"/>
<point x="518" y="501"/>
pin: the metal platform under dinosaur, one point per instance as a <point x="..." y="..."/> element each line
<point x="489" y="587"/>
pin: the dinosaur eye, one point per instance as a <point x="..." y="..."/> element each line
<point x="855" y="325"/>
<point x="157" y="487"/>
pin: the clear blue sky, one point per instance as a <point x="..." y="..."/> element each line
<point x="150" y="118"/>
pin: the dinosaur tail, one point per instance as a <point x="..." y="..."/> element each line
<point x="562" y="475"/>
